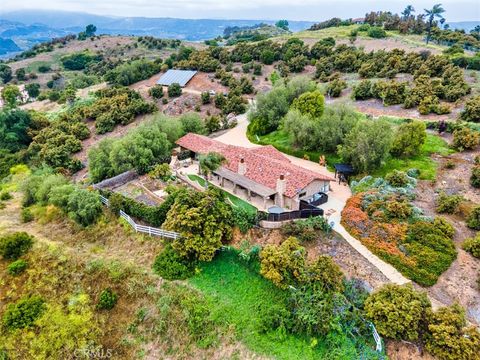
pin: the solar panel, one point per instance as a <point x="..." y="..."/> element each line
<point x="181" y="77"/>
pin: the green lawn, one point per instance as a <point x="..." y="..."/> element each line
<point x="281" y="141"/>
<point x="236" y="201"/>
<point x="428" y="167"/>
<point x="238" y="295"/>
<point x="423" y="161"/>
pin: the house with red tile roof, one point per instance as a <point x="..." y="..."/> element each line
<point x="262" y="171"/>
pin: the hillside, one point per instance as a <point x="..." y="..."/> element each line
<point x="305" y="195"/>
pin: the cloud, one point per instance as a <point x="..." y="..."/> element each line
<point x="245" y="9"/>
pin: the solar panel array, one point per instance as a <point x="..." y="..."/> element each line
<point x="181" y="77"/>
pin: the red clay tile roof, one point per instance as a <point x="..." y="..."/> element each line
<point x="264" y="164"/>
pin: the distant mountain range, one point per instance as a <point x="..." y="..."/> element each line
<point x="28" y="27"/>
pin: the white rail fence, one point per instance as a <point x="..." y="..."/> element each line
<point x="378" y="339"/>
<point x="142" y="228"/>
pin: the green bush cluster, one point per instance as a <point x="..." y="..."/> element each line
<point x="152" y="215"/>
<point x="174" y="90"/>
<point x="140" y="149"/>
<point x="14" y="245"/>
<point x="107" y="300"/>
<point x="402" y="313"/>
<point x="465" y="138"/>
<point x="475" y="176"/>
<point x="471" y="112"/>
<point x="117" y="105"/>
<point x="398" y="312"/>
<point x="448" y="204"/>
<point x="17" y="267"/>
<point x="44" y="187"/>
<point x="78" y="60"/>
<point x="308" y="229"/>
<point x="472" y="245"/>
<point x="132" y="71"/>
<point x="171" y="266"/>
<point x="397" y="178"/>
<point x="54" y="144"/>
<point x="430" y="245"/>
<point x="151" y="42"/>
<point x="473" y="220"/>
<point x="156" y="91"/>
<point x="203" y="220"/>
<point x="23" y="313"/>
<point x="243" y="218"/>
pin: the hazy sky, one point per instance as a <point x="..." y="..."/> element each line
<point x="457" y="10"/>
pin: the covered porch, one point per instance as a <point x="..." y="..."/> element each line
<point x="256" y="194"/>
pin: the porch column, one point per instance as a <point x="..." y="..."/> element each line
<point x="234" y="188"/>
<point x="249" y="195"/>
<point x="222" y="181"/>
<point x="265" y="202"/>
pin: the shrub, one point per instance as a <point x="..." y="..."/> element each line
<point x="409" y="138"/>
<point x="44" y="68"/>
<point x="472" y="110"/>
<point x="26" y="215"/>
<point x="448" y="338"/>
<point x="5" y="196"/>
<point x="204" y="221"/>
<point x="398" y="312"/>
<point x="23" y="313"/>
<point x="367" y="145"/>
<point x="17" y="267"/>
<point x="84" y="207"/>
<point x="376" y="32"/>
<point x="284" y="264"/>
<point x="448" y="203"/>
<point x="306" y="230"/>
<point x="335" y="87"/>
<point x="205" y="96"/>
<point x="107" y="299"/>
<point x="171" y="266"/>
<point x="156" y="91"/>
<point x="465" y="138"/>
<point x="161" y="171"/>
<point x="472" y="245"/>
<point x="325" y="274"/>
<point x="132" y="71"/>
<point x="362" y="90"/>
<point x="14" y="245"/>
<point x="397" y="178"/>
<point x="243" y="218"/>
<point x="475" y="176"/>
<point x="310" y="103"/>
<point x="473" y="220"/>
<point x="174" y="90"/>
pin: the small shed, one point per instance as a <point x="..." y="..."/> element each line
<point x="181" y="77"/>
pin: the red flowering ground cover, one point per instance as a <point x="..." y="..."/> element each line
<point x="421" y="250"/>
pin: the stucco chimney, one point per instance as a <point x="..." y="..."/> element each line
<point x="242" y="167"/>
<point x="174" y="159"/>
<point x="281" y="187"/>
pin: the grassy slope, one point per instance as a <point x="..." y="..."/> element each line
<point x="343" y="32"/>
<point x="237" y="293"/>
